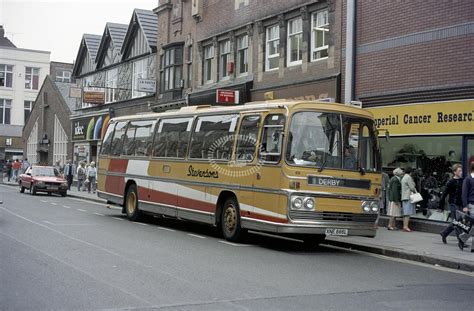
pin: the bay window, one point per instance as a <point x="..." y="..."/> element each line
<point x="171" y="68"/>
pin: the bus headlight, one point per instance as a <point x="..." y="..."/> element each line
<point x="296" y="203"/>
<point x="308" y="203"/>
<point x="374" y="207"/>
<point x="370" y="207"/>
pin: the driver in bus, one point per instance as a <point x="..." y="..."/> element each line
<point x="349" y="157"/>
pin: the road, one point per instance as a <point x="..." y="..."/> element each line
<point x="68" y="254"/>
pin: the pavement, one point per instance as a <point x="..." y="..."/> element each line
<point x="415" y="246"/>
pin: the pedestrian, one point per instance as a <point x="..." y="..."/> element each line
<point x="454" y="191"/>
<point x="16" y="169"/>
<point x="81" y="175"/>
<point x="91" y="174"/>
<point x="69" y="172"/>
<point x="467" y="197"/>
<point x="9" y="169"/>
<point x="25" y="165"/>
<point x="58" y="167"/>
<point x="408" y="187"/>
<point x="395" y="198"/>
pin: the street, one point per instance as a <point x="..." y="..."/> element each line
<point x="64" y="254"/>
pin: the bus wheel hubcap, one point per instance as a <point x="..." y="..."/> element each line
<point x="230" y="218"/>
<point x="132" y="199"/>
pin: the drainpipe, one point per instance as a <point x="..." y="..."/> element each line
<point x="350" y="51"/>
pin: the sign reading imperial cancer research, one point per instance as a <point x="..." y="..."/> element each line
<point x="455" y="117"/>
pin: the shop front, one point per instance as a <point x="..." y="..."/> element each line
<point x="430" y="138"/>
<point x="87" y="133"/>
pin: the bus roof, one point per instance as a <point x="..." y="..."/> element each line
<point x="254" y="106"/>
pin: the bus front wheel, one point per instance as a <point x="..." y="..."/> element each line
<point x="230" y="221"/>
<point x="131" y="203"/>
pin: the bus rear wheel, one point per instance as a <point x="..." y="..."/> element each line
<point x="230" y="221"/>
<point x="131" y="203"/>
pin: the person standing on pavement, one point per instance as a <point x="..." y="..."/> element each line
<point x="16" y="169"/>
<point x="81" y="175"/>
<point x="91" y="174"/>
<point x="467" y="197"/>
<point x="25" y="165"/>
<point x="454" y="191"/>
<point x="9" y="169"/>
<point x="409" y="209"/>
<point x="395" y="198"/>
<point x="69" y="173"/>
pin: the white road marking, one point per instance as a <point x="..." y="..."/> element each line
<point x="117" y="218"/>
<point x="52" y="203"/>
<point x="66" y="206"/>
<point x="43" y="201"/>
<point x="82" y="210"/>
<point x="140" y="223"/>
<point x="48" y="222"/>
<point x="99" y="214"/>
<point x="233" y="244"/>
<point x="166" y="229"/>
<point x="197" y="236"/>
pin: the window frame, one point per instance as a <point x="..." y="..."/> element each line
<point x="111" y="85"/>
<point x="325" y="32"/>
<point x="255" y="155"/>
<point x="281" y="142"/>
<point x="30" y="107"/>
<point x="224" y="59"/>
<point x="171" y="69"/>
<point x="139" y="73"/>
<point x="289" y="35"/>
<point x="7" y="71"/>
<point x="5" y="105"/>
<point x="62" y="77"/>
<point x="267" y="43"/>
<point x="208" y="57"/>
<point x="31" y="78"/>
<point x="245" y="50"/>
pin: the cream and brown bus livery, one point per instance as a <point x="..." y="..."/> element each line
<point x="306" y="169"/>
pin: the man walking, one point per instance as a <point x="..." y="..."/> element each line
<point x="25" y="165"/>
<point x="69" y="173"/>
<point x="454" y="191"/>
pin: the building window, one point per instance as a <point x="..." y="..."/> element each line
<point x="295" y="42"/>
<point x="242" y="54"/>
<point x="111" y="81"/>
<point x="190" y="66"/>
<point x="171" y="67"/>
<point x="224" y="61"/>
<point x="5" y="111"/>
<point x="207" y="63"/>
<point x="60" y="142"/>
<point x="31" y="78"/>
<point x="32" y="144"/>
<point x="319" y="36"/>
<point x="63" y="76"/>
<point x="28" y="105"/>
<point x="139" y="72"/>
<point x="6" y="74"/>
<point x="272" y="53"/>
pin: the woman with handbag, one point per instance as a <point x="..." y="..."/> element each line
<point x="408" y="204"/>
<point x="395" y="198"/>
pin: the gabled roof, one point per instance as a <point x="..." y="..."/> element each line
<point x="114" y="34"/>
<point x="63" y="88"/>
<point x="147" y="21"/>
<point x="90" y="45"/>
<point x="4" y="41"/>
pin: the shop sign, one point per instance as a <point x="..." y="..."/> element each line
<point x="146" y="85"/>
<point x="456" y="117"/>
<point x="227" y="97"/>
<point x="93" y="96"/>
<point x="88" y="128"/>
<point x="75" y="92"/>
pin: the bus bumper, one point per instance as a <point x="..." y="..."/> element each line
<point x="354" y="229"/>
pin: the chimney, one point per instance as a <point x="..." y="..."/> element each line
<point x="2" y="32"/>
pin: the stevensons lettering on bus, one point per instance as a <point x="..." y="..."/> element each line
<point x="279" y="166"/>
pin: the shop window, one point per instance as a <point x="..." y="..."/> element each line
<point x="118" y="138"/>
<point x="111" y="84"/>
<point x="224" y="59"/>
<point x="5" y="111"/>
<point x="172" y="138"/>
<point x="31" y="78"/>
<point x="107" y="142"/>
<point x="319" y="35"/>
<point x="295" y="42"/>
<point x="212" y="139"/>
<point x="242" y="54"/>
<point x="138" y="139"/>
<point x="247" y="140"/>
<point x="171" y="68"/>
<point x="272" y="137"/>
<point x="207" y="63"/>
<point x="28" y="105"/>
<point x="272" y="47"/>
<point x="6" y="75"/>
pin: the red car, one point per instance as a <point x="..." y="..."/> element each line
<point x="43" y="179"/>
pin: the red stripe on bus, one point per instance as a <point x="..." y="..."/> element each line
<point x="118" y="165"/>
<point x="263" y="217"/>
<point x="115" y="184"/>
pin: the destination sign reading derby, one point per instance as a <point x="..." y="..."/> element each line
<point x="456" y="117"/>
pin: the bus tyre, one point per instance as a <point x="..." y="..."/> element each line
<point x="131" y="203"/>
<point x="313" y="241"/>
<point x="230" y="221"/>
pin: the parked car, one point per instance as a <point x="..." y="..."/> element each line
<point x="43" y="179"/>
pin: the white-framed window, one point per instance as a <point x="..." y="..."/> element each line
<point x="224" y="51"/>
<point x="242" y="54"/>
<point x="6" y="75"/>
<point x="5" y="111"/>
<point x="60" y="142"/>
<point x="111" y="82"/>
<point x="319" y="35"/>
<point x="295" y="42"/>
<point x="139" y="72"/>
<point x="272" y="51"/>
<point x="207" y="63"/>
<point x="31" y="78"/>
<point x="28" y="105"/>
<point x="32" y="144"/>
<point x="171" y="68"/>
<point x="63" y="76"/>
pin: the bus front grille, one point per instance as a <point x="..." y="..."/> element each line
<point x="332" y="216"/>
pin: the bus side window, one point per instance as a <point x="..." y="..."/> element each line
<point x="272" y="136"/>
<point x="247" y="140"/>
<point x="117" y="142"/>
<point x="172" y="136"/>
<point x="139" y="135"/>
<point x="107" y="143"/>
